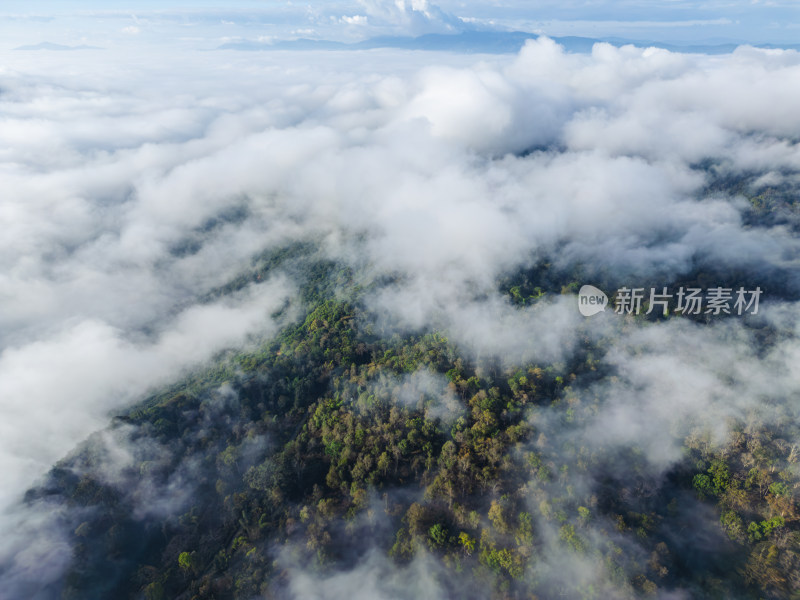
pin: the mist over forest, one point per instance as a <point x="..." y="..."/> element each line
<point x="305" y="324"/>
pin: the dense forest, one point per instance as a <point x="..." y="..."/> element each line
<point x="280" y="470"/>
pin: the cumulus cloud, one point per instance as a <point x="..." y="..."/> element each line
<point x="355" y="20"/>
<point x="410" y="16"/>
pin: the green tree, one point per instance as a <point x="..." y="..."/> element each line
<point x="187" y="562"/>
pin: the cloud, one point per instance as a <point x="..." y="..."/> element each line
<point x="355" y="20"/>
<point x="58" y="390"/>
<point x="131" y="197"/>
<point x="413" y="17"/>
<point x="377" y="578"/>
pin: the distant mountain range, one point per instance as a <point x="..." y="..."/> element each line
<point x="475" y="42"/>
<point x="491" y="42"/>
<point x="56" y="47"/>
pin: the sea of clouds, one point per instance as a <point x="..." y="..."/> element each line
<point x="132" y="186"/>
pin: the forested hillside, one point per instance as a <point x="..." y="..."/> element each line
<point x="342" y="442"/>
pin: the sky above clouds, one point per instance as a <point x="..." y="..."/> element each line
<point x="207" y="24"/>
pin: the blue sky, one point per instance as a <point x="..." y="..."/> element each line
<point x="207" y="23"/>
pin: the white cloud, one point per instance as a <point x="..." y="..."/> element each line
<point x="413" y="17"/>
<point x="56" y="391"/>
<point x="354" y="20"/>
<point x="120" y="185"/>
<point x="374" y="578"/>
